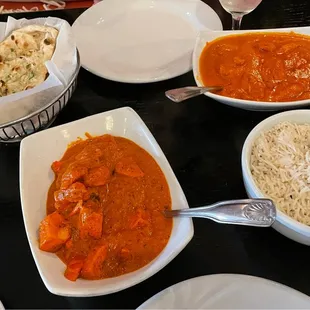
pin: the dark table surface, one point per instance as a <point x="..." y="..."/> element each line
<point x="202" y="140"/>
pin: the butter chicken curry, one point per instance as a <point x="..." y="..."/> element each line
<point x="258" y="66"/>
<point x="104" y="209"/>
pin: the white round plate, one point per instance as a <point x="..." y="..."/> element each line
<point x="228" y="291"/>
<point x="141" y="41"/>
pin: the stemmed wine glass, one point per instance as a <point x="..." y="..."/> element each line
<point x="239" y="8"/>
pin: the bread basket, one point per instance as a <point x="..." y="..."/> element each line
<point x="16" y="130"/>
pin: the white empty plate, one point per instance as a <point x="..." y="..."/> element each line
<point x="141" y="41"/>
<point x="228" y="291"/>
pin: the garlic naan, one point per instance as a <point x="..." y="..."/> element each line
<point x="22" y="58"/>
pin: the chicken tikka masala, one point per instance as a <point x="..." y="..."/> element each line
<point x="104" y="209"/>
<point x="271" y="67"/>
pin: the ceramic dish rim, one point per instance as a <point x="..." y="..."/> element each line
<point x="240" y="277"/>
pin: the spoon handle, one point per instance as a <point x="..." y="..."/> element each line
<point x="249" y="212"/>
<point x="181" y="94"/>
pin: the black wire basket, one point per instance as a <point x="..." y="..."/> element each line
<point x="16" y="130"/>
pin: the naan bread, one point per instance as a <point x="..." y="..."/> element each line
<point x="22" y="58"/>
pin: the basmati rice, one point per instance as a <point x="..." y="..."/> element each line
<point x="280" y="165"/>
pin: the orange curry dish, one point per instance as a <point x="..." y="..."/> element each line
<point x="104" y="209"/>
<point x="268" y="67"/>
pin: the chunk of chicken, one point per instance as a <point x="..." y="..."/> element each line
<point x="76" y="192"/>
<point x="90" y="223"/>
<point x="127" y="166"/>
<point x="53" y="232"/>
<point x="92" y="265"/>
<point x="97" y="176"/>
<point x="74" y="268"/>
<point x="72" y="174"/>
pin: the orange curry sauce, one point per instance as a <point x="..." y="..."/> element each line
<point x="258" y="66"/>
<point x="105" y="209"/>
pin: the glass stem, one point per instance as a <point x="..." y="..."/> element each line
<point x="236" y="21"/>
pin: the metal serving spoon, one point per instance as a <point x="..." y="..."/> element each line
<point x="249" y="212"/>
<point x="184" y="93"/>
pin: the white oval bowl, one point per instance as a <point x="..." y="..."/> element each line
<point x="38" y="151"/>
<point x="209" y="35"/>
<point x="283" y="224"/>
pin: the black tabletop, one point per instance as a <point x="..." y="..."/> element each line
<point x="202" y="140"/>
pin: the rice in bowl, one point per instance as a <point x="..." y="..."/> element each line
<point x="280" y="166"/>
